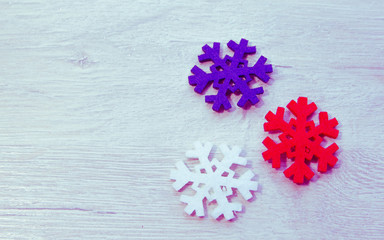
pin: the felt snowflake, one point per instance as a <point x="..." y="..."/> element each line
<point x="230" y="75"/>
<point x="213" y="180"/>
<point x="301" y="140"/>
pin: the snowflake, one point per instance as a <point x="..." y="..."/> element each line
<point x="230" y="75"/>
<point x="213" y="180"/>
<point x="300" y="140"/>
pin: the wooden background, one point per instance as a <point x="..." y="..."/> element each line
<point x="95" y="110"/>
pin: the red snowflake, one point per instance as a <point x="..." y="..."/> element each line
<point x="300" y="140"/>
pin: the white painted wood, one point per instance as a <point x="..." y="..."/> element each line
<point x="95" y="110"/>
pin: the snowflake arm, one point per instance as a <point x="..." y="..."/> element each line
<point x="300" y="140"/>
<point x="325" y="155"/>
<point x="224" y="207"/>
<point x="230" y="75"/>
<point x="261" y="70"/>
<point x="182" y="176"/>
<point x="213" y="180"/>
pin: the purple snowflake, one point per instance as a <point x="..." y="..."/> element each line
<point x="230" y="75"/>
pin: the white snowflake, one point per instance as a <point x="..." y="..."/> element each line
<point x="213" y="180"/>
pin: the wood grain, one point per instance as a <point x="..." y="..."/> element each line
<point x="95" y="111"/>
